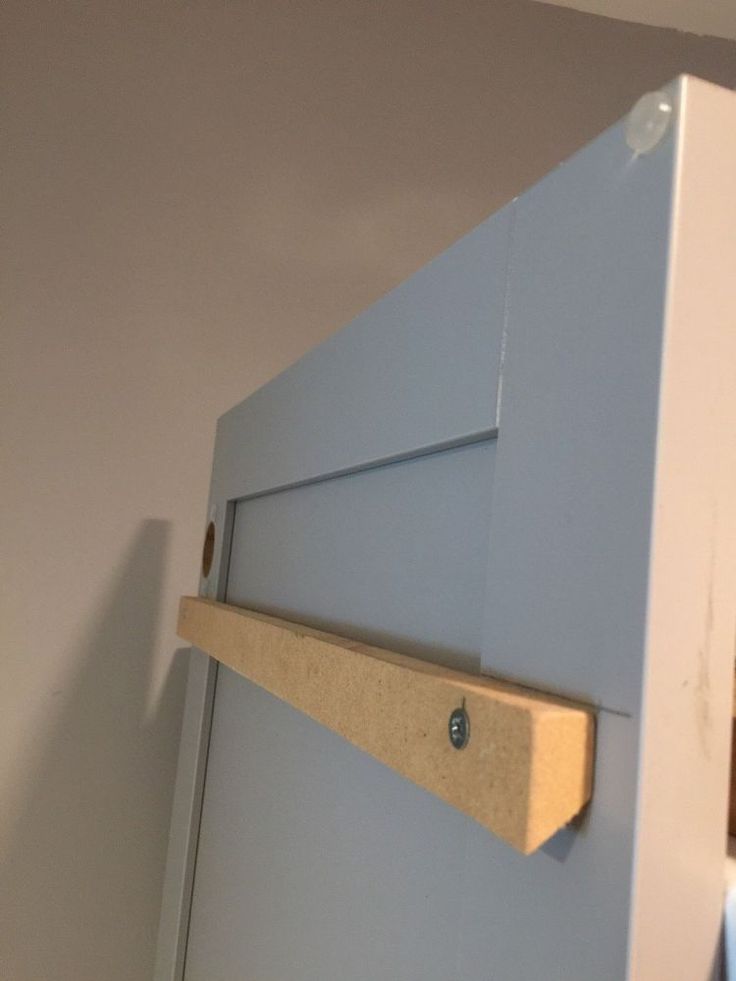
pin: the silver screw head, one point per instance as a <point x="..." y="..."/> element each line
<point x="648" y="121"/>
<point x="459" y="728"/>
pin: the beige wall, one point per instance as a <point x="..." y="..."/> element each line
<point x="195" y="194"/>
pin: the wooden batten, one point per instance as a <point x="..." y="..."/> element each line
<point x="525" y="771"/>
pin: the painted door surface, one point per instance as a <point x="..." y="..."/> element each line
<point x="515" y="464"/>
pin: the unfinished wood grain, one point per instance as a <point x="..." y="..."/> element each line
<point x="525" y="772"/>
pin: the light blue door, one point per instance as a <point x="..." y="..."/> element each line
<point x="467" y="473"/>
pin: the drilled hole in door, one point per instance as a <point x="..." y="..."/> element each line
<point x="208" y="552"/>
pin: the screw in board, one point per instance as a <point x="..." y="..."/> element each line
<point x="459" y="728"/>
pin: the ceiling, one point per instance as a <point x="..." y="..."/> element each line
<point x="714" y="17"/>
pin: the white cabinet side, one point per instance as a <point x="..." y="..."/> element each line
<point x="680" y="846"/>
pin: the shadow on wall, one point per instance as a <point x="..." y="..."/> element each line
<point x="94" y="814"/>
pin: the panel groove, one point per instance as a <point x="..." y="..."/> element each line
<point x="471" y="439"/>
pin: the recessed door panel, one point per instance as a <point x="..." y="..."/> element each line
<point x="395" y="556"/>
<point x="314" y="860"/>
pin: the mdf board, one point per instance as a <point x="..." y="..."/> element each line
<point x="519" y="463"/>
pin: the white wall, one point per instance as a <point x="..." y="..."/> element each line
<point x="194" y="195"/>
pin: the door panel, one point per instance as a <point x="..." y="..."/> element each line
<point x="317" y="862"/>
<point x="395" y="556"/>
<point x="515" y="464"/>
